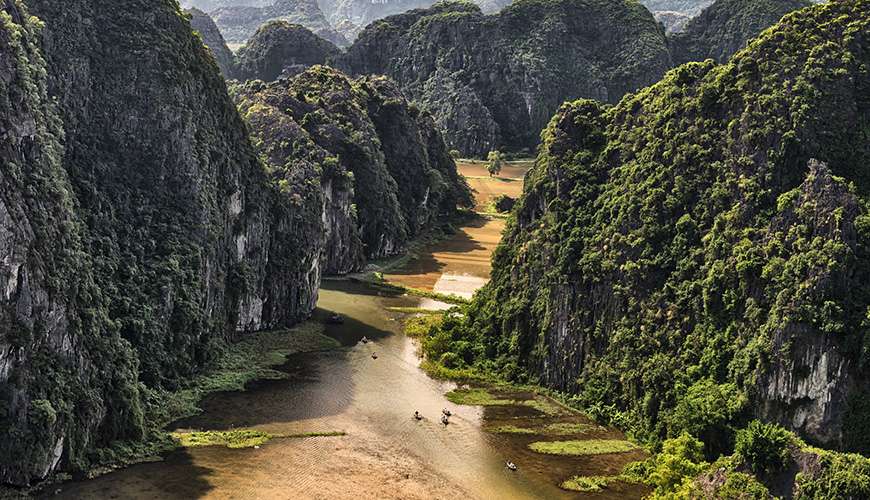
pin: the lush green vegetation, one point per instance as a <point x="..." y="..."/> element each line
<point x="701" y="240"/>
<point x="239" y="438"/>
<point x="766" y="447"/>
<point x="584" y="447"/>
<point x="727" y="26"/>
<point x="678" y="264"/>
<point x="512" y="429"/>
<point x="476" y="397"/>
<point x="588" y="483"/>
<point x="557" y="46"/>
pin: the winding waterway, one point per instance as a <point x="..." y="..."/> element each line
<point x="385" y="452"/>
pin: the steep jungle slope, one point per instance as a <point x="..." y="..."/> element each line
<point x="240" y="22"/>
<point x="727" y="26"/>
<point x="53" y="321"/>
<point x="366" y="135"/>
<point x="203" y="24"/>
<point x="140" y="231"/>
<point x="679" y="262"/>
<point x="494" y="81"/>
<point x="279" y="47"/>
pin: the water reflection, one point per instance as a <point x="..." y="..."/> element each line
<point x="385" y="454"/>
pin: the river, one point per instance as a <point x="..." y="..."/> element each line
<point x="385" y="452"/>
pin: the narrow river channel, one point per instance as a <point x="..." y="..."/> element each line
<point x="384" y="452"/>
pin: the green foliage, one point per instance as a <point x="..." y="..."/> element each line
<point x="837" y="476"/>
<point x="680" y="460"/>
<point x="495" y="161"/>
<point x="676" y="252"/>
<point x="587" y="484"/>
<point x="237" y="438"/>
<point x="584" y="447"/>
<point x="765" y="447"/>
<point x="707" y="410"/>
<point x="476" y="397"/>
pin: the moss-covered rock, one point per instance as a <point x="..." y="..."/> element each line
<point x="68" y="381"/>
<point x="239" y="22"/>
<point x="494" y="81"/>
<point x="279" y="47"/>
<point x="387" y="171"/>
<point x="203" y="24"/>
<point x="726" y="26"/>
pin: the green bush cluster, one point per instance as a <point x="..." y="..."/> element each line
<point x="766" y="448"/>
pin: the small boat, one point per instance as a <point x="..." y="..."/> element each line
<point x="335" y="319"/>
<point x="510" y="465"/>
<point x="418" y="416"/>
<point x="446" y="412"/>
<point x="374" y="355"/>
<point x="445" y="420"/>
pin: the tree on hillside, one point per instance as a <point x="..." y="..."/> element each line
<point x="496" y="161"/>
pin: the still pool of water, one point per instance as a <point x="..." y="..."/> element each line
<point x="385" y="454"/>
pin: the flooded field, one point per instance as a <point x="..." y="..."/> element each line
<point x="461" y="264"/>
<point x="385" y="453"/>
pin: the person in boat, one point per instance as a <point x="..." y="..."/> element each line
<point x="417" y="415"/>
<point x="510" y="465"/>
<point x="374" y="355"/>
<point x="445" y="420"/>
<point x="446" y="412"/>
<point x="364" y="340"/>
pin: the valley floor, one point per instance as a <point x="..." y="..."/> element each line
<point x="367" y="393"/>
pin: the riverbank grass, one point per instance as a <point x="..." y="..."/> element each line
<point x="239" y="438"/>
<point x="476" y="397"/>
<point x="583" y="447"/>
<point x="511" y="429"/>
<point x="588" y="484"/>
<point x="254" y="357"/>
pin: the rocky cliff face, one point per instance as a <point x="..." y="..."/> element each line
<point x="67" y="380"/>
<point x="386" y="172"/>
<point x="511" y="71"/>
<point x="239" y="22"/>
<point x="280" y="48"/>
<point x="139" y="231"/>
<point x="727" y="26"/>
<point x="659" y="276"/>
<point x="203" y="24"/>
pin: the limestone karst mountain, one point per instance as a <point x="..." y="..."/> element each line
<point x="723" y="264"/>
<point x="141" y="231"/>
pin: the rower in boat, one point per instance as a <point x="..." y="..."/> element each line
<point x="445" y="420"/>
<point x="510" y="465"/>
<point x="446" y="412"/>
<point x="364" y="340"/>
<point x="418" y="416"/>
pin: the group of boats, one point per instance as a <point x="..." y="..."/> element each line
<point x="445" y="413"/>
<point x="445" y="419"/>
<point x="445" y="416"/>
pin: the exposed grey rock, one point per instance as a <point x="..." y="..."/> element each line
<point x="212" y="38"/>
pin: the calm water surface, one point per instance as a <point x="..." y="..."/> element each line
<point x="385" y="453"/>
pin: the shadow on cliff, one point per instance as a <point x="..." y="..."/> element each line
<point x="318" y="384"/>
